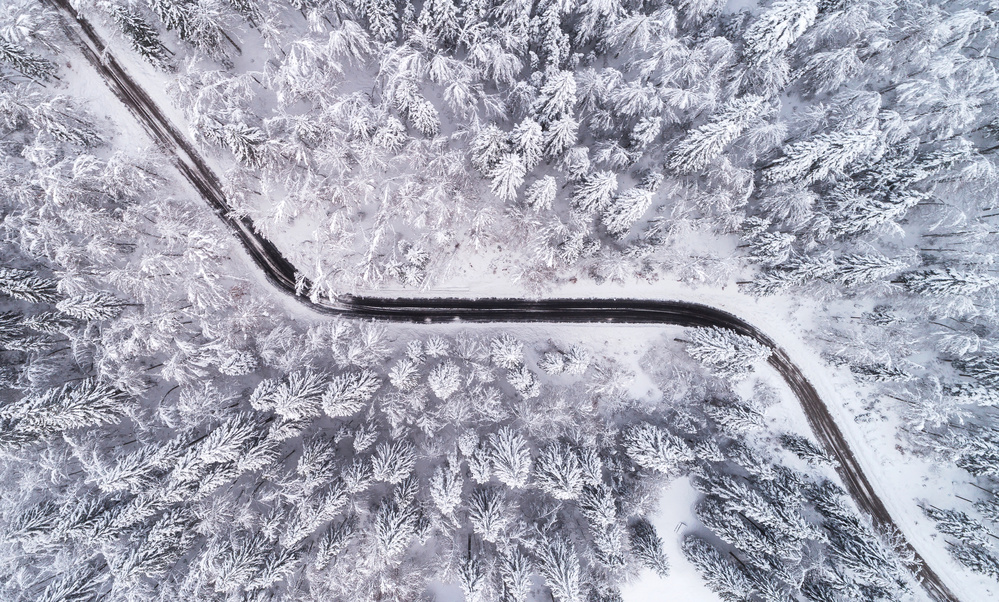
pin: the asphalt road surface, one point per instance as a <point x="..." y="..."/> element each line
<point x="438" y="310"/>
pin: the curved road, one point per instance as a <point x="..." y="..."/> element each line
<point x="633" y="311"/>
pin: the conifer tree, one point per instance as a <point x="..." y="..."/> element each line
<point x="648" y="547"/>
<point x="29" y="64"/>
<point x="594" y="192"/>
<point x="726" y="353"/>
<point x="101" y="305"/>
<point x="945" y="281"/>
<point x="488" y="512"/>
<point x="558" y="96"/>
<point x="628" y="207"/>
<point x="25" y="285"/>
<point x="446" y="488"/>
<point x="445" y="379"/>
<point x="528" y="142"/>
<point x="724" y="577"/>
<point x="142" y="36"/>
<point x="349" y="393"/>
<point x="707" y="142"/>
<point x="560" y="566"/>
<point x="507" y="176"/>
<point x="89" y="403"/>
<point x="654" y="448"/>
<point x="863" y="268"/>
<point x="778" y="27"/>
<point x="515" y="571"/>
<point x="439" y="18"/>
<point x="541" y="194"/>
<point x="560" y="136"/>
<point x="393" y="462"/>
<point x="819" y="157"/>
<point x="511" y="458"/>
<point x="559" y="473"/>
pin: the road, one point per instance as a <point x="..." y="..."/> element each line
<point x="282" y="274"/>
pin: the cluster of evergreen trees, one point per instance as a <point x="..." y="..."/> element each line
<point x="848" y="144"/>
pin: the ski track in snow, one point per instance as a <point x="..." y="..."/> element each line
<point x="283" y="275"/>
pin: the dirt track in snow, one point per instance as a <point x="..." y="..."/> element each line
<point x="282" y="274"/>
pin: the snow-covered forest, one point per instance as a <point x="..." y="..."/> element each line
<point x="175" y="427"/>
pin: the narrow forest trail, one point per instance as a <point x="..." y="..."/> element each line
<point x="283" y="275"/>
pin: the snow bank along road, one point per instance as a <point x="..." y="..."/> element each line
<point x="633" y="311"/>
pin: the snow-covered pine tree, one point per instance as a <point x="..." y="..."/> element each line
<point x="238" y="363"/>
<point x="541" y="194"/>
<point x="863" y="268"/>
<point x="141" y="36"/>
<point x="507" y="176"/>
<point x="349" y="393"/>
<point x="628" y="207"/>
<point x="489" y="513"/>
<point x="89" y="403"/>
<point x="27" y="63"/>
<point x="977" y="558"/>
<point x="488" y="146"/>
<point x="393" y="462"/>
<point x="445" y="379"/>
<point x="559" y="564"/>
<point x="974" y="393"/>
<point x="301" y="396"/>
<point x="652" y="447"/>
<point x="975" y="450"/>
<point x="101" y="305"/>
<point x="958" y="524"/>
<point x="559" y="473"/>
<point x="777" y="28"/>
<point x="25" y="285"/>
<point x="381" y="17"/>
<point x="515" y="570"/>
<point x="856" y="212"/>
<point x="507" y="352"/>
<point x="756" y="544"/>
<point x="511" y="457"/>
<point x="594" y="192"/>
<point x="560" y="136"/>
<point x="424" y="117"/>
<point x="394" y="526"/>
<point x="722" y="576"/>
<point x="945" y="281"/>
<point x="725" y="352"/>
<point x="472" y="578"/>
<point x="524" y="382"/>
<point x="552" y="362"/>
<point x="528" y="142"/>
<point x="557" y="97"/>
<point x="805" y="449"/>
<point x="771" y="248"/>
<point x="983" y="368"/>
<point x="821" y="156"/>
<point x="706" y="142"/>
<point x="577" y="360"/>
<point x="333" y="542"/>
<point x="446" y="487"/>
<point x="735" y="417"/>
<point x="200" y="23"/>
<point x="647" y="546"/>
<point x="244" y="141"/>
<point x="439" y="18"/>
